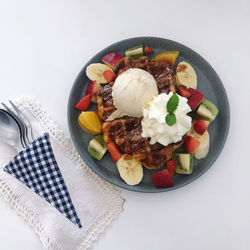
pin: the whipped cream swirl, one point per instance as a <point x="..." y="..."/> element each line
<point x="154" y="125"/>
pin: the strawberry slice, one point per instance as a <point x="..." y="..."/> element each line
<point x="83" y="105"/>
<point x="201" y="126"/>
<point x="148" y="50"/>
<point x="195" y="99"/>
<point x="114" y="151"/>
<point x="92" y="89"/>
<point x="109" y="75"/>
<point x="171" y="165"/>
<point x="162" y="179"/>
<point x="183" y="91"/>
<point x="191" y="144"/>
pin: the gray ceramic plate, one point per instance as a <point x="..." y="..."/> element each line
<point x="208" y="83"/>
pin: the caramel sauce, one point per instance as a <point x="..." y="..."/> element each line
<point x="181" y="67"/>
<point x="127" y="157"/>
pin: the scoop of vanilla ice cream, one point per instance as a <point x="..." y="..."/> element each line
<point x="132" y="90"/>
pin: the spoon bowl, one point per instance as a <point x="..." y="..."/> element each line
<point x="9" y="129"/>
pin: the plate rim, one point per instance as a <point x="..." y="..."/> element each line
<point x="228" y="115"/>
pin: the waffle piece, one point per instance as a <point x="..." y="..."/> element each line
<point x="126" y="132"/>
<point x="161" y="71"/>
<point x="105" y="101"/>
<point x="155" y="159"/>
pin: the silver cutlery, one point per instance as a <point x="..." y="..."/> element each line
<point x="23" y="127"/>
<point x="26" y="130"/>
<point x="10" y="131"/>
<point x="26" y="121"/>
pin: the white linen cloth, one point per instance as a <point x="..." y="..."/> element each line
<point x="96" y="201"/>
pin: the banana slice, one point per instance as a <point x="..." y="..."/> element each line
<point x="95" y="72"/>
<point x="186" y="75"/>
<point x="130" y="170"/>
<point x="116" y="114"/>
<point x="204" y="140"/>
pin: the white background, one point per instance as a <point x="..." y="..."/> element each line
<point x="43" y="46"/>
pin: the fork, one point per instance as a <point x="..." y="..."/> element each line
<point x="26" y="121"/>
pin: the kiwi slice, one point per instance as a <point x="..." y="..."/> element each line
<point x="207" y="110"/>
<point x="135" y="53"/>
<point x="184" y="163"/>
<point x="97" y="147"/>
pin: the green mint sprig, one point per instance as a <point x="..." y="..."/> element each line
<point x="170" y="119"/>
<point x="172" y="103"/>
<point x="171" y="107"/>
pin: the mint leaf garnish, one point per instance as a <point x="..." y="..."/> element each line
<point x="170" y="119"/>
<point x="172" y="103"/>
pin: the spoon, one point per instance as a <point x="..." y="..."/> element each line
<point x="9" y="130"/>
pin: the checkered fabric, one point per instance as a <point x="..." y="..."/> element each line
<point x="37" y="168"/>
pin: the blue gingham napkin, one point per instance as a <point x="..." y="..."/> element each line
<point x="37" y="168"/>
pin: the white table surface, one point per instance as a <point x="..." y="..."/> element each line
<point x="43" y="46"/>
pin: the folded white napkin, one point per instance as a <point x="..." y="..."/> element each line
<point x="96" y="201"/>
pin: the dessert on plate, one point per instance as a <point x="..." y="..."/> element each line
<point x="148" y="114"/>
